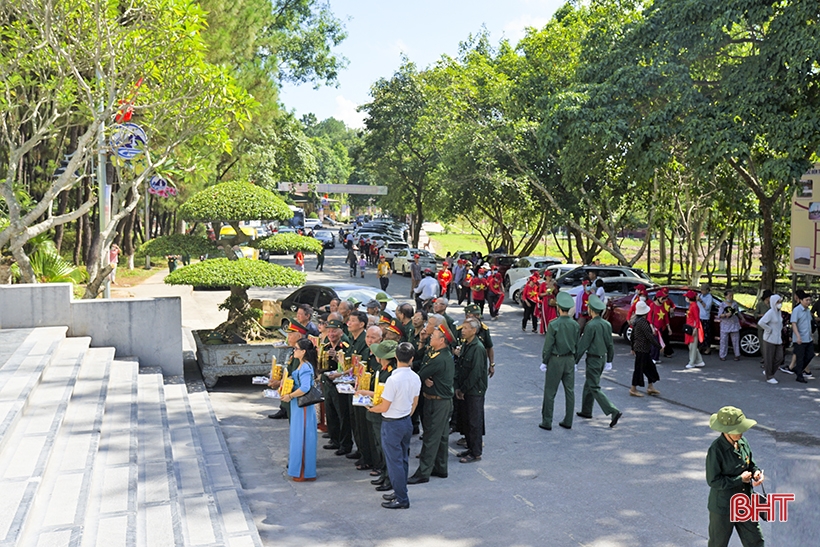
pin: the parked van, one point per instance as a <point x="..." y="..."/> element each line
<point x="227" y="232"/>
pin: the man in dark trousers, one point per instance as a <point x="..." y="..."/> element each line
<point x="471" y="387"/>
<point x="399" y="400"/>
<point x="596" y="342"/>
<point x="558" y="362"/>
<point x="437" y="376"/>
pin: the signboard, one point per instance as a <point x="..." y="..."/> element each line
<point x="805" y="236"/>
<point x="333" y="188"/>
<point x="128" y="140"/>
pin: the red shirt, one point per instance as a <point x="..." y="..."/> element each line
<point x="478" y="285"/>
<point x="495" y="285"/>
<point x="444" y="278"/>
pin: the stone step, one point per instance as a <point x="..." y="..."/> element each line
<point x="21" y="371"/>
<point x="158" y="514"/>
<point x="111" y="518"/>
<point x="59" y="509"/>
<point x="28" y="445"/>
<point x="213" y="507"/>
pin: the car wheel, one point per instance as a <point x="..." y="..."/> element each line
<point x="517" y="297"/>
<point x="749" y="342"/>
<point x="626" y="332"/>
<point x="507" y="282"/>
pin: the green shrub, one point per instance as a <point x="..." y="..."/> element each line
<point x="178" y="244"/>
<point x="288" y="243"/>
<point x="234" y="201"/>
<point x="245" y="272"/>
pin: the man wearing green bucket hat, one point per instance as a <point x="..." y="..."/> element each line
<point x="558" y="361"/>
<point x="730" y="470"/>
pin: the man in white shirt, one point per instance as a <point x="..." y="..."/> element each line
<point x="399" y="400"/>
<point x="705" y="302"/>
<point x="427" y="290"/>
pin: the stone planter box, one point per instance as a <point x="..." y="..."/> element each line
<point x="220" y="360"/>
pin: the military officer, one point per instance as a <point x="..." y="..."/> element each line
<point x="440" y="307"/>
<point x="471" y="386"/>
<point x="437" y="377"/>
<point x="558" y="361"/>
<point x="381" y="364"/>
<point x="596" y="342"/>
<point x="338" y="416"/>
<point x="357" y="325"/>
<point x="474" y="311"/>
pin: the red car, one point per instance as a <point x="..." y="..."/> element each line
<point x="618" y="308"/>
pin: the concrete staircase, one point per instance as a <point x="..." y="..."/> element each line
<point x="95" y="451"/>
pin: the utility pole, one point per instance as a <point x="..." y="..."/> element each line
<point x="103" y="191"/>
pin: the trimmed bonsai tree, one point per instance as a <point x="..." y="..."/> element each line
<point x="232" y="203"/>
<point x="288" y="243"/>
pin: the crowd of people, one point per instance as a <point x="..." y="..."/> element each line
<point x="424" y="375"/>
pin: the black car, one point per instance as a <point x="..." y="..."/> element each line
<point x="326" y="237"/>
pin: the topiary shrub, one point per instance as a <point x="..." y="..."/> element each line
<point x="288" y="243"/>
<point x="231" y="203"/>
<point x="178" y="244"/>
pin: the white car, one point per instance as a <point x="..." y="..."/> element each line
<point x="525" y="265"/>
<point x="391" y="248"/>
<point x="403" y="259"/>
<point x="312" y="223"/>
<point x="557" y="270"/>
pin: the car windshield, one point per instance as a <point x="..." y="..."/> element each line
<point x="323" y="233"/>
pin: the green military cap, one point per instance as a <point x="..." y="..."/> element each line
<point x="335" y="324"/>
<point x="382" y="297"/>
<point x="384" y="350"/>
<point x="473" y="309"/>
<point x="353" y="301"/>
<point x="730" y="420"/>
<point x="596" y="303"/>
<point x="564" y="301"/>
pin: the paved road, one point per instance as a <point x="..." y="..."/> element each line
<point x="640" y="484"/>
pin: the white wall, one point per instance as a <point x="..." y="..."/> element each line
<point x="149" y="329"/>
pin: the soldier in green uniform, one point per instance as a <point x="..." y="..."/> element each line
<point x="295" y="332"/>
<point x="337" y="415"/>
<point x="596" y="342"/>
<point x="474" y="311"/>
<point x="357" y="325"/>
<point x="558" y="361"/>
<point x="437" y="389"/>
<point x="404" y="317"/>
<point x="471" y="386"/>
<point x="381" y="364"/>
<point x="730" y="470"/>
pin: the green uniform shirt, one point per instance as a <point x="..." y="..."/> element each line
<point x="293" y="364"/>
<point x="596" y="340"/>
<point x="359" y="346"/>
<point x="441" y="368"/>
<point x="724" y="465"/>
<point x="343" y="346"/>
<point x="483" y="334"/>
<point x="471" y="368"/>
<point x="562" y="338"/>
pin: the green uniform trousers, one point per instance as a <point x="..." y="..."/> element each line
<point x="592" y="388"/>
<point x="559" y="370"/>
<point x="720" y="531"/>
<point x="374" y="422"/>
<point x="361" y="431"/>
<point x="436" y="422"/>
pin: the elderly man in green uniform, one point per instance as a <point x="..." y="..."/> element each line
<point x="730" y="470"/>
<point x="357" y="325"/>
<point x="471" y="386"/>
<point x="474" y="311"/>
<point x="337" y="414"/>
<point x="295" y="332"/>
<point x="558" y="361"/>
<point x="596" y="342"/>
<point x="436" y="376"/>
